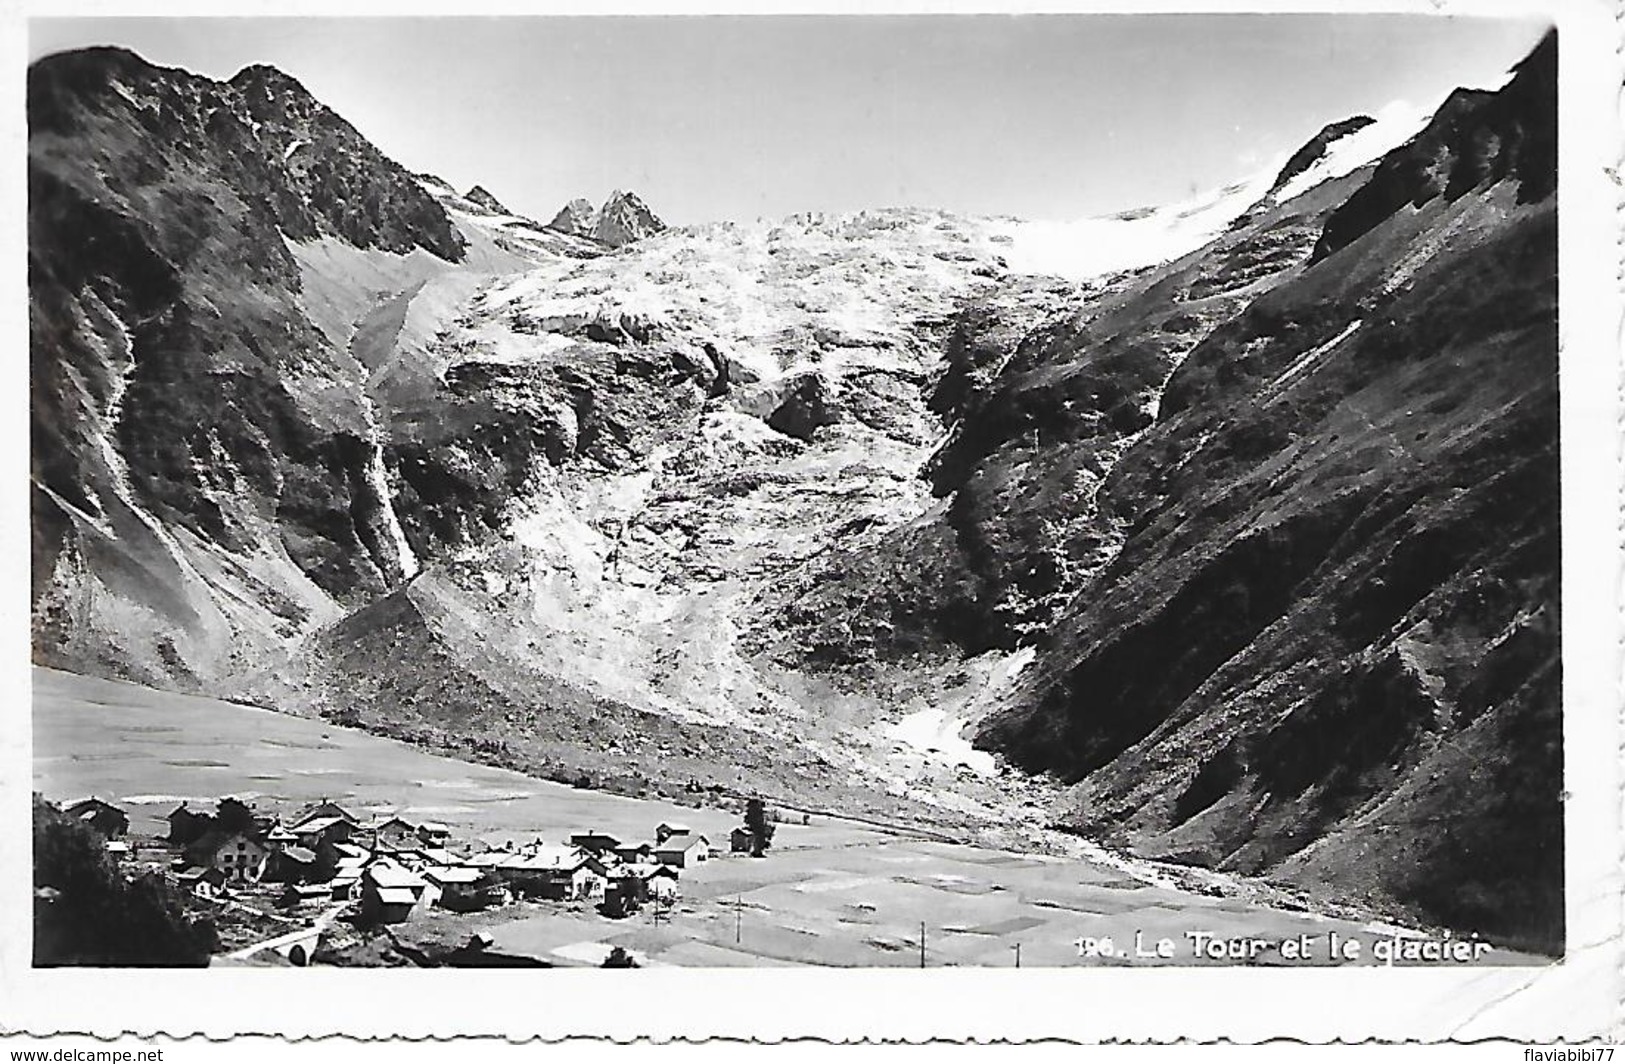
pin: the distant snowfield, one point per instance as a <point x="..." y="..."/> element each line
<point x="1093" y="247"/>
<point x="1088" y="248"/>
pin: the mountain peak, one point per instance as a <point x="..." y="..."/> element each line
<point x="478" y="195"/>
<point x="575" y="218"/>
<point x="624" y="218"/>
<point x="269" y="81"/>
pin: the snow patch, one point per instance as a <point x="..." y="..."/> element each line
<point x="935" y="734"/>
<point x="1304" y="360"/>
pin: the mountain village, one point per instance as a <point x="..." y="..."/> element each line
<point x="323" y="863"/>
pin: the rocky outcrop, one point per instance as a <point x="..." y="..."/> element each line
<point x="499" y="240"/>
<point x="480" y="197"/>
<point x="1476" y="138"/>
<point x="1315" y="148"/>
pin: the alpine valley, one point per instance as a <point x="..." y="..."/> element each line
<point x="1222" y="535"/>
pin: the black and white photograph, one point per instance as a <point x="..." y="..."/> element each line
<point x="1077" y="492"/>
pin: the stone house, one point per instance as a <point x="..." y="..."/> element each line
<point x="235" y="854"/>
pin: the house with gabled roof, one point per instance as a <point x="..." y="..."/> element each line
<point x="296" y="864"/>
<point x="636" y="851"/>
<point x="237" y="855"/>
<point x="667" y="829"/>
<point x="390" y="893"/>
<point x="321" y="810"/>
<point x="203" y="882"/>
<point x="463" y="889"/>
<point x="350" y="850"/>
<point x="187" y="825"/>
<point x="315" y="833"/>
<point x="681" y="851"/>
<point x="100" y="816"/>
<point x="493" y="860"/>
<point x="346" y="882"/>
<point x="434" y="833"/>
<point x="296" y="894"/>
<point x="565" y="873"/>
<point x="438" y="855"/>
<point x="595" y="841"/>
<point x="649" y="880"/>
<point x="395" y="833"/>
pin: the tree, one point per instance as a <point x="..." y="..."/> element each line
<point x="235" y="815"/>
<point x="86" y="913"/>
<point x="761" y="832"/>
<point x="619" y="958"/>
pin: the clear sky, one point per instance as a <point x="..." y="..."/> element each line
<point x="1043" y="116"/>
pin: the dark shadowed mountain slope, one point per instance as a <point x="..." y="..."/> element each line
<point x="1476" y="138"/>
<point x="1328" y="648"/>
<point x="207" y="471"/>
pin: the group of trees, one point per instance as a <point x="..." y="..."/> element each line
<point x="87" y="913"/>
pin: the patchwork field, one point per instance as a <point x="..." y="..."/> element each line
<point x="830" y="893"/>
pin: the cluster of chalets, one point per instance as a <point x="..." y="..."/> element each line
<point x="393" y="868"/>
